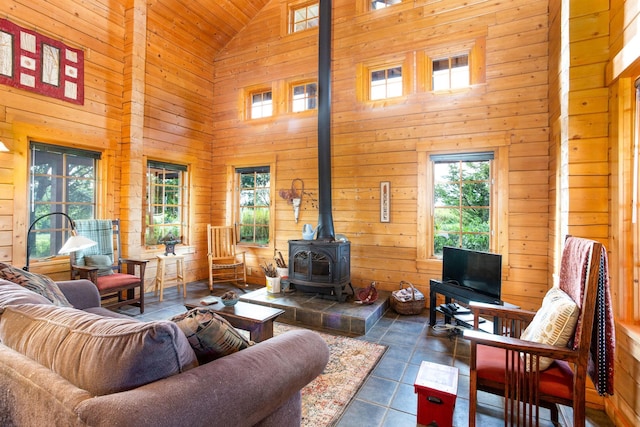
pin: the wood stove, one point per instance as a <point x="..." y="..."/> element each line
<point x="323" y="265"/>
<point x="320" y="266"/>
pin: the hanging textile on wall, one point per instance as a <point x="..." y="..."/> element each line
<point x="37" y="63"/>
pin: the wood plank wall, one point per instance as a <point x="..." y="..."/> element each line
<point x="380" y="142"/>
<point x="147" y="77"/>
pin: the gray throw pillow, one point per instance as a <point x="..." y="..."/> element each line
<point x="37" y="283"/>
<point x="103" y="262"/>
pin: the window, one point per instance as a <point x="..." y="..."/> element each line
<point x="261" y="104"/>
<point x="304" y="97"/>
<point x="254" y="210"/>
<point x="462" y="201"/>
<point x="386" y="83"/>
<point x="166" y="202"/>
<point x="381" y="4"/>
<point x="304" y="17"/>
<point x="450" y="72"/>
<point x="63" y="180"/>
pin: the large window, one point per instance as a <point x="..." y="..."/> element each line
<point x="305" y="17"/>
<point x="462" y="201"/>
<point x="166" y="202"/>
<point x="63" y="180"/>
<point x="254" y="186"/>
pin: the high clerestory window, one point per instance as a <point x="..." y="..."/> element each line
<point x="304" y="16"/>
<point x="385" y="83"/>
<point x="304" y="96"/>
<point x="451" y="72"/>
<point x="381" y="4"/>
<point x="62" y="179"/>
<point x="261" y="104"/>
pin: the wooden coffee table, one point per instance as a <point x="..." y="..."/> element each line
<point x="257" y="319"/>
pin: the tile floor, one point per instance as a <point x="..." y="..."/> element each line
<point x="387" y="398"/>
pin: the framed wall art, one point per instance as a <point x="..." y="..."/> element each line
<point x="385" y="201"/>
<point x="40" y="64"/>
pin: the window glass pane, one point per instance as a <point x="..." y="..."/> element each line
<point x="61" y="180"/>
<point x="450" y="73"/>
<point x="462" y="204"/>
<point x="166" y="203"/>
<point x="255" y="206"/>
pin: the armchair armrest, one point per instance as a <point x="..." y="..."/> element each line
<point x="84" y="272"/>
<point x="132" y="263"/>
<point x="512" y="320"/>
<point x="521" y="346"/>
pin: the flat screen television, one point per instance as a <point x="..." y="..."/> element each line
<point x="478" y="271"/>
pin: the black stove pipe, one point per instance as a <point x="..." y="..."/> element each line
<point x="325" y="218"/>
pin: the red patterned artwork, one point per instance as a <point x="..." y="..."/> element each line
<point x="37" y="63"/>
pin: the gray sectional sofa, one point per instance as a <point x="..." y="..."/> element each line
<point x="88" y="366"/>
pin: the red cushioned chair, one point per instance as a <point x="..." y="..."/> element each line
<point x="119" y="281"/>
<point x="497" y="363"/>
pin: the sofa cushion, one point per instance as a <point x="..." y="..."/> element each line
<point x="103" y="262"/>
<point x="553" y="324"/>
<point x="37" y="283"/>
<point x="210" y="335"/>
<point x="98" y="354"/>
<point x="12" y="294"/>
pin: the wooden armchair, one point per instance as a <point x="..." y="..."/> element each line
<point x="116" y="278"/>
<point x="511" y="367"/>
<point x="225" y="263"/>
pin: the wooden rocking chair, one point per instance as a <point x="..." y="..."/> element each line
<point x="225" y="264"/>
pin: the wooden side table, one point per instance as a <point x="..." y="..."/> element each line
<point x="160" y="273"/>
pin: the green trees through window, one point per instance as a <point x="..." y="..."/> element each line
<point x="255" y="204"/>
<point x="166" y="202"/>
<point x="462" y="202"/>
<point x="63" y="180"/>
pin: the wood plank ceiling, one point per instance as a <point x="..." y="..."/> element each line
<point x="221" y="20"/>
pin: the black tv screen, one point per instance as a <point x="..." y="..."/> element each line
<point x="479" y="271"/>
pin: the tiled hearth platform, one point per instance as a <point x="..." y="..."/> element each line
<point x="317" y="311"/>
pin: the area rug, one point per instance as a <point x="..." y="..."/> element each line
<point x="350" y="361"/>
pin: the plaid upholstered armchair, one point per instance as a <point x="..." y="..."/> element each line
<point x="117" y="279"/>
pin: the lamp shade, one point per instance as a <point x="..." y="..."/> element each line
<point x="76" y="243"/>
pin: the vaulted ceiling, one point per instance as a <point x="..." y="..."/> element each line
<point x="221" y="20"/>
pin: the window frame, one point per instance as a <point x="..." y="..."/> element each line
<point x="363" y="80"/>
<point x="233" y="202"/>
<point x="304" y="83"/>
<point x="427" y="261"/>
<point x="59" y="227"/>
<point x="296" y="6"/>
<point x="474" y="48"/>
<point x="249" y="102"/>
<point x="387" y="5"/>
<point x="183" y="206"/>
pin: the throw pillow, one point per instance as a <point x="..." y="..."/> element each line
<point x="553" y="324"/>
<point x="210" y="335"/>
<point x="103" y="262"/>
<point x="12" y="294"/>
<point x="37" y="283"/>
<point x="102" y="355"/>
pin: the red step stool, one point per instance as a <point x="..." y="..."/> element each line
<point x="437" y="388"/>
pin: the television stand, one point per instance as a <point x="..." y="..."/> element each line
<point x="452" y="291"/>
